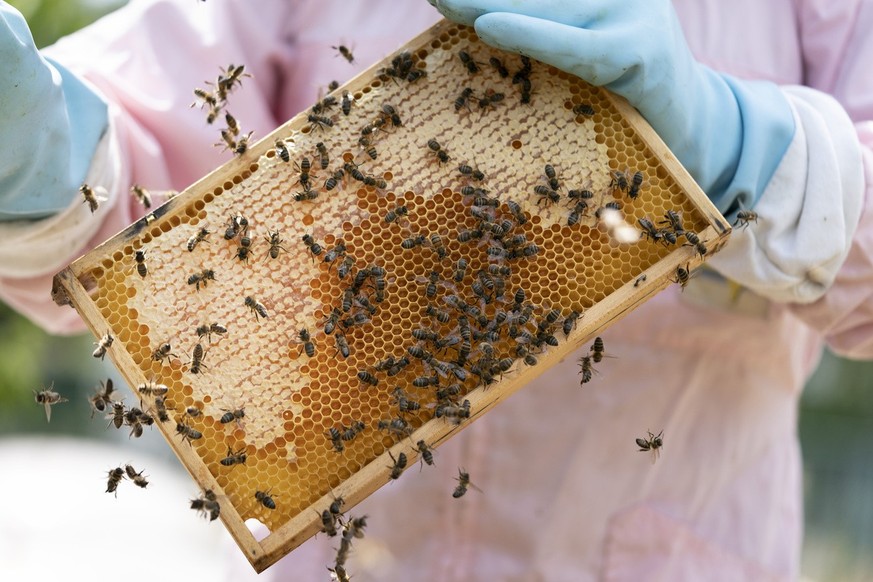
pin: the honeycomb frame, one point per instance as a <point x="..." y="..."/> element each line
<point x="261" y="365"/>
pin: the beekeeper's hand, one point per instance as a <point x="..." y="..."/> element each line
<point x="730" y="134"/>
<point x="50" y="123"/>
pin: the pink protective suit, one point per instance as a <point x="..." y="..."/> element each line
<point x="566" y="496"/>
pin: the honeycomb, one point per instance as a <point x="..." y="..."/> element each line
<point x="263" y="365"/>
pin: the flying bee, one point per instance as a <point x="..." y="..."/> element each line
<point x="92" y="199"/>
<point x="230" y="77"/>
<point x="229" y="416"/>
<point x="744" y="217"/>
<point x="47" y="397"/>
<point x="346" y="104"/>
<point x="188" y="433"/>
<point x="585" y="369"/>
<point x="115" y="477"/>
<point x="469" y="63"/>
<point x="584" y="109"/>
<point x="205" y="97"/>
<point x="232" y="124"/>
<point x="257" y="308"/>
<point x="234" y="457"/>
<point x="367" y="378"/>
<point x="207" y="504"/>
<point x="345" y="53"/>
<point x="197" y="359"/>
<point x="396" y="212"/>
<point x="597" y="350"/>
<point x="463" y="484"/>
<point x="342" y="345"/>
<point x="117" y="414"/>
<point x="139" y="258"/>
<point x="265" y="499"/>
<point x="461" y="101"/>
<point x="102" y="345"/>
<point x="653" y="444"/>
<point x="137" y="478"/>
<point x="328" y="523"/>
<point x="313" y="246"/>
<point x="197" y="238"/>
<point x="101" y="399"/>
<point x="242" y="145"/>
<point x="201" y="278"/>
<point x="399" y="465"/>
<point x="141" y="194"/>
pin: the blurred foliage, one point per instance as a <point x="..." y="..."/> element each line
<point x="51" y="19"/>
<point x="836" y="411"/>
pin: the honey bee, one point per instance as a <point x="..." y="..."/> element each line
<point x="619" y="181"/>
<point x="597" y="350"/>
<point x="570" y="322"/>
<point x="333" y="86"/>
<point x="436" y="242"/>
<point x="346" y="104"/>
<point x="101" y="399"/>
<point x="649" y="229"/>
<point x="201" y="278"/>
<point x="425" y="451"/>
<point x="454" y="413"/>
<point x="92" y="199"/>
<point x="282" y="151"/>
<point x="163" y="352"/>
<point x="257" y="308"/>
<point x="396" y="212"/>
<point x="230" y="77"/>
<point x="399" y="465"/>
<point x="334" y="180"/>
<point x="238" y="223"/>
<point x="234" y="457"/>
<point x="207" y="329"/>
<point x="102" y="345"/>
<point x="193" y="411"/>
<point x="188" y="433"/>
<point x="117" y="414"/>
<point x="141" y="268"/>
<point x="682" y="276"/>
<point x="47" y="397"/>
<point x="349" y="433"/>
<point x="265" y="499"/>
<point x="744" y="217"/>
<point x="313" y="246"/>
<point x="463" y="483"/>
<point x="161" y="409"/>
<point x="404" y="404"/>
<point x="412" y="242"/>
<point x="653" y="444"/>
<point x="517" y="212"/>
<point x="438" y="150"/>
<point x="137" y="478"/>
<point x="115" y="477"/>
<point x="197" y="359"/>
<point x="469" y="63"/>
<point x="584" y="109"/>
<point x="498" y="66"/>
<point x="232" y="415"/>
<point x="345" y="52"/>
<point x="336" y="252"/>
<point x="205" y="98"/>
<point x="328" y="523"/>
<point x="152" y="389"/>
<point x="552" y="177"/>
<point x="142" y="195"/>
<point x="634" y="189"/>
<point x="319" y="122"/>
<point x="674" y="220"/>
<point x="323" y="156"/>
<point x="367" y="378"/>
<point x="197" y="238"/>
<point x="396" y="426"/>
<point x="242" y="145"/>
<point x="207" y="504"/>
<point x="577" y="213"/>
<point x="461" y="101"/>
<point x="342" y="345"/>
<point x="336" y="439"/>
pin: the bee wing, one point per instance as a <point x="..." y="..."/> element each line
<point x="101" y="194"/>
<point x="48" y="412"/>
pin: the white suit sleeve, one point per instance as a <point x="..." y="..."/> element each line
<point x="809" y="211"/>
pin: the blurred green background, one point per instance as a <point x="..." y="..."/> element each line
<point x="836" y="412"/>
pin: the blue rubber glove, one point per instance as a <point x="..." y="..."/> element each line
<point x="729" y="134"/>
<point x="50" y="123"/>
